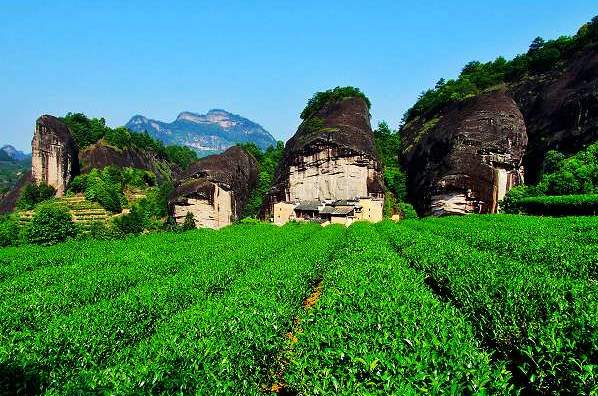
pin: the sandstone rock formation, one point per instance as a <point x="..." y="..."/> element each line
<point x="560" y="108"/>
<point x="467" y="157"/>
<point x="332" y="156"/>
<point x="215" y="189"/>
<point x="100" y="155"/>
<point x="54" y="154"/>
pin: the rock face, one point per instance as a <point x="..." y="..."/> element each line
<point x="332" y="156"/>
<point x="215" y="189"/>
<point x="208" y="133"/>
<point x="54" y="154"/>
<point x="9" y="202"/>
<point x="560" y="109"/>
<point x="99" y="156"/>
<point x="467" y="158"/>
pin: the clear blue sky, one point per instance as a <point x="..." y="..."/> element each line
<point x="260" y="59"/>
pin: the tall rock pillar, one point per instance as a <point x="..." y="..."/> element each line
<point x="54" y="154"/>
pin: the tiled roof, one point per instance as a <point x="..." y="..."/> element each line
<point x="342" y="210"/>
<point x="308" y="206"/>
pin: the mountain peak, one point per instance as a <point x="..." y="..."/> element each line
<point x="208" y="133"/>
<point x="13" y="153"/>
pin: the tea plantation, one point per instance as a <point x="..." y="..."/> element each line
<point x="495" y="304"/>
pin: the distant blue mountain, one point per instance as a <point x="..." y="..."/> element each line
<point x="8" y="152"/>
<point x="208" y="133"/>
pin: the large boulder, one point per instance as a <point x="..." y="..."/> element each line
<point x="54" y="154"/>
<point x="215" y="189"/>
<point x="332" y="156"/>
<point x="467" y="157"/>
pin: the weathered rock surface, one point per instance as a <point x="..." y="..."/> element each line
<point x="100" y="155"/>
<point x="467" y="158"/>
<point x="215" y="189"/>
<point x="560" y="109"/>
<point x="9" y="202"/>
<point x="54" y="154"/>
<point x="332" y="156"/>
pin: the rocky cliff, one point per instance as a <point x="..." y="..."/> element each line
<point x="208" y="133"/>
<point x="556" y="109"/>
<point x="215" y="189"/>
<point x="54" y="154"/>
<point x="560" y="108"/>
<point x="100" y="155"/>
<point x="466" y="158"/>
<point x="332" y="156"/>
<point x="9" y="201"/>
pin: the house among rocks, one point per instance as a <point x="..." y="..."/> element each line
<point x="330" y="170"/>
<point x="215" y="189"/>
<point x="329" y="212"/>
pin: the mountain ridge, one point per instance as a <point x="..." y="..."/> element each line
<point x="208" y="133"/>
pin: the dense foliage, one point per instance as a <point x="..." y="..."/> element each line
<point x="477" y="76"/>
<point x="51" y="223"/>
<point x="388" y="147"/>
<point x="462" y="305"/>
<point x="557" y="205"/>
<point x="267" y="162"/>
<point x="33" y="193"/>
<point x="9" y="231"/>
<point x="562" y="176"/>
<point x="316" y="102"/>
<point x="87" y="131"/>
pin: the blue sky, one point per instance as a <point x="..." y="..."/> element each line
<point x="260" y="59"/>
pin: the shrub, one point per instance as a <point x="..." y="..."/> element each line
<point x="131" y="223"/>
<point x="189" y="223"/>
<point x="9" y="231"/>
<point x="102" y="231"/>
<point x="51" y="223"/>
<point x="560" y="205"/>
<point x="102" y="187"/>
<point x="78" y="184"/>
<point x="33" y="194"/>
<point x="407" y="211"/>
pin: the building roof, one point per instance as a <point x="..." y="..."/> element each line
<point x="312" y="206"/>
<point x="327" y="210"/>
<point x="341" y="210"/>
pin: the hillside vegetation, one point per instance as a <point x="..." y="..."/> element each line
<point x="478" y="304"/>
<point x="477" y="76"/>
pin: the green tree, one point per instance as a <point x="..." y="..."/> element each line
<point x="51" y="223"/>
<point x="32" y="194"/>
<point x="189" y="223"/>
<point x="321" y="98"/>
<point x="183" y="156"/>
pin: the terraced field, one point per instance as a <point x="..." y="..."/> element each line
<point x="84" y="212"/>
<point x="478" y="304"/>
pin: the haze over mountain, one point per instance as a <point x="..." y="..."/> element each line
<point x="11" y="153"/>
<point x="207" y="133"/>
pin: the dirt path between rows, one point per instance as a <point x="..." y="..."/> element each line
<point x="279" y="387"/>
